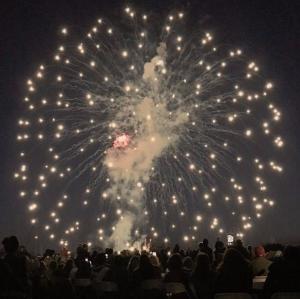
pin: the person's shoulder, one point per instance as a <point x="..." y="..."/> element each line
<point x="15" y="258"/>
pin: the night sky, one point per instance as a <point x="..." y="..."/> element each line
<point x="266" y="30"/>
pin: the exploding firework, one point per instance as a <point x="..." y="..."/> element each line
<point x="133" y="133"/>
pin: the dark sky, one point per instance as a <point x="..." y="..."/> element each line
<point x="268" y="30"/>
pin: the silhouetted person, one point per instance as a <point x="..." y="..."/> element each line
<point x="238" y="245"/>
<point x="219" y="246"/>
<point x="82" y="281"/>
<point x="133" y="265"/>
<point x="203" y="247"/>
<point x="121" y="277"/>
<point x="60" y="286"/>
<point x="188" y="265"/>
<point x="175" y="280"/>
<point x="176" y="248"/>
<point x="115" y="279"/>
<point x="250" y="251"/>
<point x="260" y="264"/>
<point x="100" y="267"/>
<point x="14" y="267"/>
<point x="234" y="274"/>
<point x="219" y="253"/>
<point x="154" y="260"/>
<point x="81" y="254"/>
<point x="85" y="248"/>
<point x="109" y="254"/>
<point x="284" y="275"/>
<point x="163" y="257"/>
<point x="203" y="277"/>
<point x="68" y="268"/>
<point x="146" y="270"/>
<point x="147" y="279"/>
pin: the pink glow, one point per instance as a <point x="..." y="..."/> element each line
<point x="121" y="141"/>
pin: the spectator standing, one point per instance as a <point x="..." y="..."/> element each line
<point x="234" y="273"/>
<point x="13" y="268"/>
<point x="175" y="280"/>
<point x="218" y="253"/>
<point x="203" y="277"/>
<point x="204" y="247"/>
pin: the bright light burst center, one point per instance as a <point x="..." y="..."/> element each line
<point x="121" y="141"/>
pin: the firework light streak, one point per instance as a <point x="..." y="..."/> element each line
<point x="161" y="135"/>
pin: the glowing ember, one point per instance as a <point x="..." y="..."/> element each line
<point x="121" y="141"/>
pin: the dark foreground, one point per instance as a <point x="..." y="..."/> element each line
<point x="201" y="273"/>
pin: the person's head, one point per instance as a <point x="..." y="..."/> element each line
<point x="203" y="265"/>
<point x="109" y="251"/>
<point x="187" y="263"/>
<point x="205" y="242"/>
<point x="48" y="253"/>
<point x="10" y="244"/>
<point x="176" y="248"/>
<point x="219" y="245"/>
<point x="259" y="251"/>
<point x="85" y="247"/>
<point x="175" y="262"/>
<point x="238" y="243"/>
<point x="233" y="259"/>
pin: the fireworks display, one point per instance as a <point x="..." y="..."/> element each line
<point x="142" y="131"/>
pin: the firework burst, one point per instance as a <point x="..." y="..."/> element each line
<point x="133" y="133"/>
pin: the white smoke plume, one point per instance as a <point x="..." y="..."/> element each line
<point x="130" y="168"/>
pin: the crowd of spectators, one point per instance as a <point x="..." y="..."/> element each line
<point x="162" y="273"/>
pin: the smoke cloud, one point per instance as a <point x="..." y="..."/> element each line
<point x="130" y="168"/>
